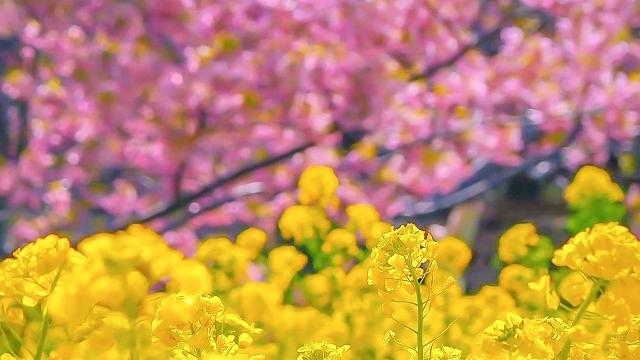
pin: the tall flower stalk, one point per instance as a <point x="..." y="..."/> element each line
<point x="401" y="262"/>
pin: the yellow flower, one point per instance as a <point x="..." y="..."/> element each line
<point x="606" y="251"/>
<point x="252" y="240"/>
<point x="137" y="247"/>
<point x="362" y="215"/>
<point x="176" y="311"/>
<point x="197" y="324"/>
<point x="375" y="233"/>
<point x="544" y="286"/>
<point x="318" y="185"/>
<point x="453" y="255"/>
<point x="476" y="312"/>
<point x="215" y="250"/>
<point x="257" y="301"/>
<point x="218" y="356"/>
<point x="129" y="295"/>
<point x="34" y="270"/>
<point x="518" y="338"/>
<point x="620" y="301"/>
<point x="190" y="277"/>
<point x="303" y="222"/>
<point x="591" y="182"/>
<point x="284" y="262"/>
<point x="446" y="353"/>
<point x="340" y="240"/>
<point x="625" y="342"/>
<point x="78" y="292"/>
<point x="322" y="287"/>
<point x="400" y="255"/>
<point x="515" y="242"/>
<point x="319" y="288"/>
<point x="244" y="340"/>
<point x="321" y="351"/>
<point x="43" y="256"/>
<point x="229" y="261"/>
<point x="515" y="278"/>
<point x="363" y="218"/>
<point x="574" y="288"/>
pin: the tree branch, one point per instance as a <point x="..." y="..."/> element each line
<point x="455" y="57"/>
<point x="209" y="188"/>
<point x="419" y="141"/>
<point x="176" y="182"/>
<point x="5" y="142"/>
<point x="8" y="45"/>
<point x="476" y="188"/>
<point x="218" y="203"/>
<point x="451" y="28"/>
<point x="23" y="133"/>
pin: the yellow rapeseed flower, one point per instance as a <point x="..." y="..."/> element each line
<point x="321" y="351"/>
<point x="317" y="186"/>
<point x="34" y="270"/>
<point x="446" y="353"/>
<point x="362" y="217"/>
<point x="521" y="338"/>
<point x="544" y="286"/>
<point x="516" y="241"/>
<point x="300" y="223"/>
<point x="515" y="278"/>
<point x="605" y="251"/>
<point x="620" y="302"/>
<point x="400" y="255"/>
<point x="230" y="262"/>
<point x="453" y="254"/>
<point x="284" y="262"/>
<point x="574" y="288"/>
<point x="252" y="240"/>
<point x="340" y="240"/>
<point x="199" y="324"/>
<point x="591" y="182"/>
<point x="257" y="301"/>
<point x="190" y="277"/>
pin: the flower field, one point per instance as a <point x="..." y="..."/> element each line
<point x="319" y="179"/>
<point x="355" y="288"/>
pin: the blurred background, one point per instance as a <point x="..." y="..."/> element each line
<point x="197" y="117"/>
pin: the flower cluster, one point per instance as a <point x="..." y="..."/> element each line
<point x="198" y="326"/>
<point x="518" y="338"/>
<point x="523" y="245"/>
<point x="321" y="351"/>
<point x="301" y="223"/>
<point x="358" y="289"/>
<point x="120" y="295"/>
<point x="605" y="251"/>
<point x="453" y="255"/>
<point x="592" y="182"/>
<point x="34" y="270"/>
<point x="318" y="185"/>
<point x="593" y="198"/>
<point x="398" y="259"/>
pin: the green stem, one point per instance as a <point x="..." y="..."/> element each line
<point x="46" y="321"/>
<point x="585" y="304"/>
<point x="6" y="340"/>
<point x="419" y="303"/>
<point x="593" y="293"/>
